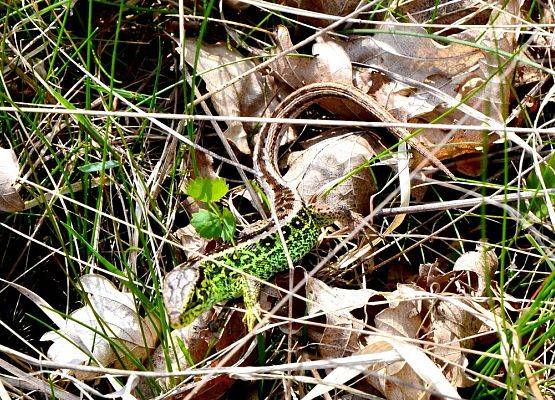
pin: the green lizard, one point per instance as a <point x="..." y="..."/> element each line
<point x="195" y="287"/>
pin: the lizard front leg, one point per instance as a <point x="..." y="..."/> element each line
<point x="251" y="292"/>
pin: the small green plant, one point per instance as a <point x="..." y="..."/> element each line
<point x="538" y="205"/>
<point x="215" y="221"/>
<point x="99" y="166"/>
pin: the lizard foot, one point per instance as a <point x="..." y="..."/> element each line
<point x="251" y="293"/>
<point x="252" y="316"/>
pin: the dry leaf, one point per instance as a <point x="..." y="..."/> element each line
<point x="218" y="65"/>
<point x="338" y="339"/>
<point x="199" y="338"/>
<point x="378" y="352"/>
<point x="10" y="200"/>
<point x="191" y="241"/>
<point x="431" y="278"/>
<point x="196" y="338"/>
<point x="413" y="377"/>
<point x="396" y="380"/>
<point x="402" y="317"/>
<point x="446" y="12"/>
<point x="323" y="163"/>
<point x="338" y="8"/>
<point x="437" y="77"/>
<point x="422" y="60"/>
<point x="450" y="326"/>
<point x="418" y="58"/>
<point x="480" y="266"/>
<point x="110" y="312"/>
<point x="330" y="62"/>
<point x="431" y="375"/>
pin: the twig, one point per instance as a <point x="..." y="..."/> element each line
<point x="451" y="204"/>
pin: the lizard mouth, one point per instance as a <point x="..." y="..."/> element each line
<point x="181" y="319"/>
<point x="175" y="318"/>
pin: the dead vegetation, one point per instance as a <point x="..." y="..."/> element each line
<point x="109" y="111"/>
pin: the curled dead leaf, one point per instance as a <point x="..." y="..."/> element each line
<point x="339" y="337"/>
<point x="432" y="278"/>
<point x="418" y="58"/>
<point x="427" y="80"/>
<point x="396" y="380"/>
<point x="376" y="352"/>
<point x="411" y="314"/>
<point x="329" y="160"/>
<point x="107" y="331"/>
<point x="405" y="373"/>
<point x="191" y="241"/>
<point x="479" y="265"/>
<point x="450" y="326"/>
<point x="402" y="317"/>
<point x="217" y="64"/>
<point x="329" y="64"/>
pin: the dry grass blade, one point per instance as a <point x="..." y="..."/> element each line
<point x="435" y="279"/>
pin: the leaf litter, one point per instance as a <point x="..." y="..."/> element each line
<point x="429" y="322"/>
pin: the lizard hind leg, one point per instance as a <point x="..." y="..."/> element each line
<point x="251" y="292"/>
<point x="326" y="215"/>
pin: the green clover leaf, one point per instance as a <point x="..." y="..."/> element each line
<point x="207" y="190"/>
<point x="207" y="224"/>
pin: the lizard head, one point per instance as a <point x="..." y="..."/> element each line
<point x="178" y="292"/>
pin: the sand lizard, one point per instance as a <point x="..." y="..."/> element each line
<point x="199" y="284"/>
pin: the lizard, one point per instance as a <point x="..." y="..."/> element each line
<point x="197" y="285"/>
